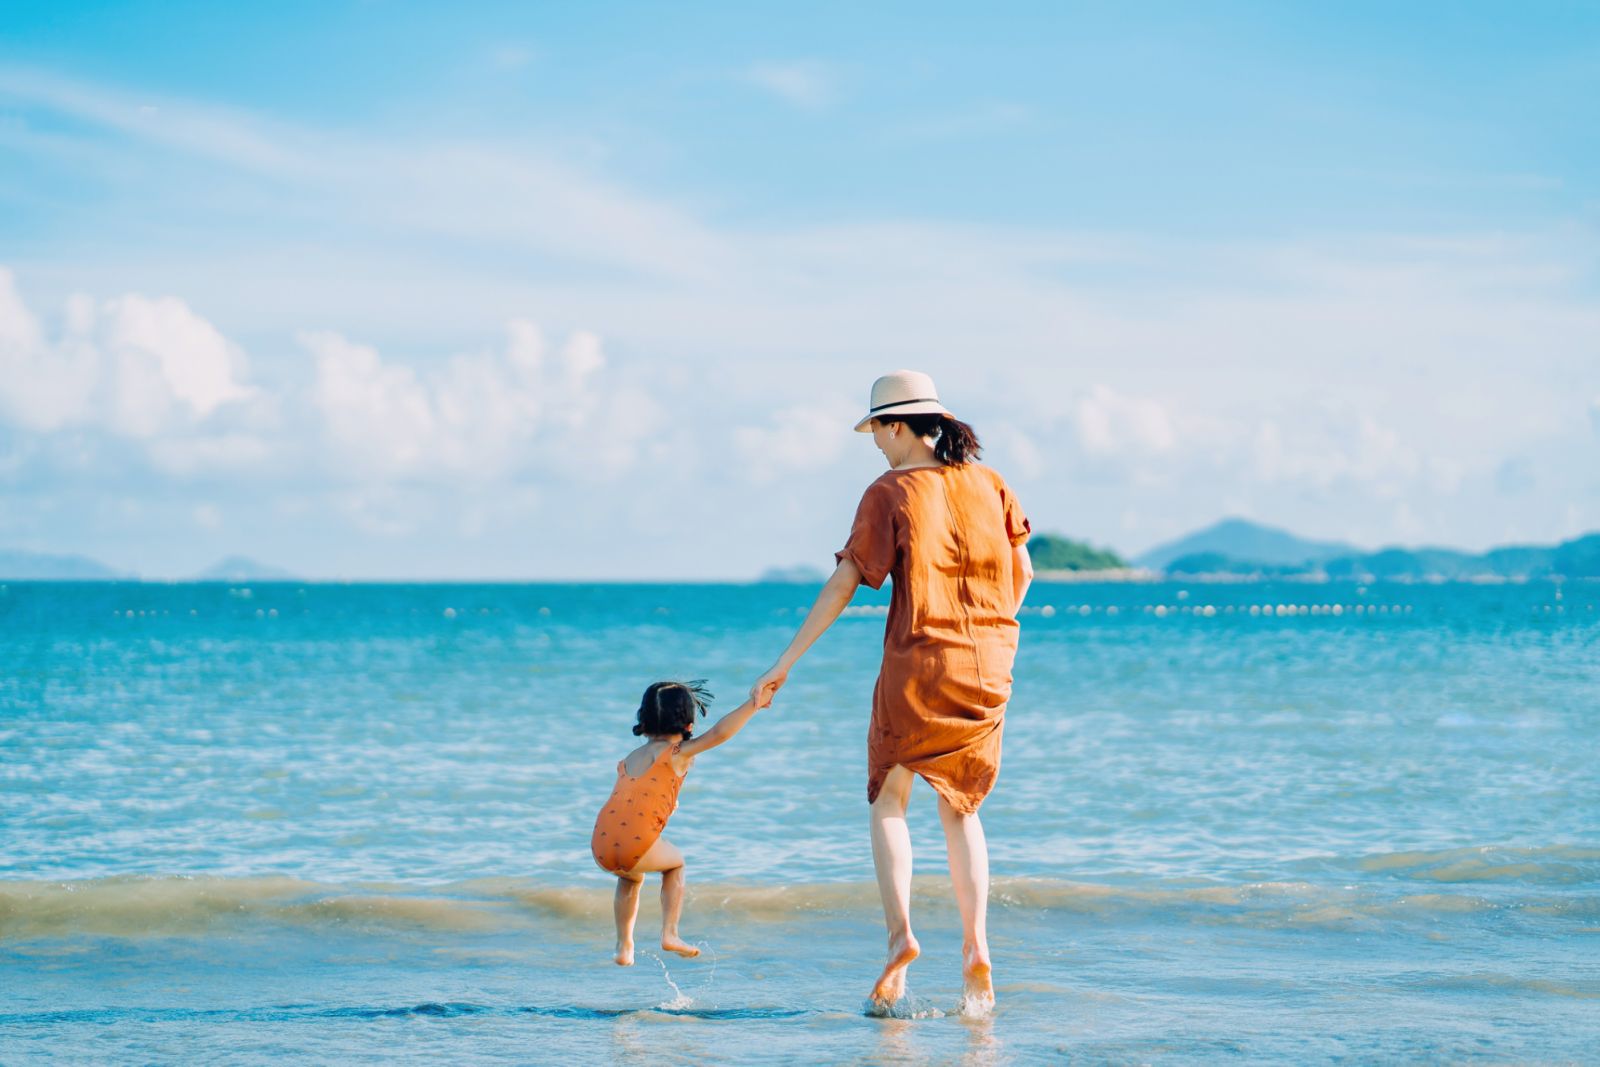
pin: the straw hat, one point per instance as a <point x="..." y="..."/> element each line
<point x="905" y="392"/>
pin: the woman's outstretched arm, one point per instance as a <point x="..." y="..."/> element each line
<point x="833" y="599"/>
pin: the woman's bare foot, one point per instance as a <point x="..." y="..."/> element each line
<point x="892" y="982"/>
<point x="624" y="956"/>
<point x="977" y="982"/>
<point x="674" y="943"/>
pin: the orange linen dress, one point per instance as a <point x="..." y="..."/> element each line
<point x="945" y="534"/>
<point x="633" y="819"/>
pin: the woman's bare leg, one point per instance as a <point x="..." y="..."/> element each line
<point x="969" y="873"/>
<point x="891" y="857"/>
<point x="625" y="909"/>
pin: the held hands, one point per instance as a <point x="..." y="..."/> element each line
<point x="767" y="686"/>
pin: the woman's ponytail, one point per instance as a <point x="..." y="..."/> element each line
<point x="957" y="442"/>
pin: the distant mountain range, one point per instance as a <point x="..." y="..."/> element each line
<point x="1233" y="548"/>
<point x="43" y="566"/>
<point x="1238" y="548"/>
<point x="243" y="569"/>
<point x="801" y="574"/>
<point x="1241" y="539"/>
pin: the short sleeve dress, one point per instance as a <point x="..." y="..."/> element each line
<point x="945" y="535"/>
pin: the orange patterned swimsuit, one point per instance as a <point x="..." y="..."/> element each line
<point x="632" y="820"/>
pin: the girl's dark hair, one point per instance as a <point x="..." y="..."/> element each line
<point x="957" y="442"/>
<point x="669" y="708"/>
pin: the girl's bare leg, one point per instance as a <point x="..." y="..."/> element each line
<point x="969" y="873"/>
<point x="671" y="908"/>
<point x="891" y="857"/>
<point x="665" y="857"/>
<point x="625" y="909"/>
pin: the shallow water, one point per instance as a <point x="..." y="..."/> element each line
<point x="351" y="822"/>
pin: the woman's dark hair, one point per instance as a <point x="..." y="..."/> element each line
<point x="669" y="708"/>
<point x="956" y="444"/>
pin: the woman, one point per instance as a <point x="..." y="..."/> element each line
<point x="953" y="538"/>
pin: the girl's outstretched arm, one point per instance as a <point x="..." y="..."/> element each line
<point x="833" y="599"/>
<point x="721" y="730"/>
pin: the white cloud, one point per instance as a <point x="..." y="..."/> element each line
<point x="794" y="438"/>
<point x="152" y="372"/>
<point x="480" y="418"/>
<point x="43" y="386"/>
<point x="135" y="366"/>
<point x="1318" y="452"/>
<point x="166" y="359"/>
<point x="1109" y="422"/>
<point x="803" y="83"/>
<point x="214" y="133"/>
<point x="1319" y="376"/>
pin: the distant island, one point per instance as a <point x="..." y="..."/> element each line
<point x="18" y="565"/>
<point x="803" y="574"/>
<point x="1243" y="540"/>
<point x="49" y="567"/>
<point x="1062" y="559"/>
<point x="1231" y="550"/>
<point x="1237" y="549"/>
<point x="243" y="569"/>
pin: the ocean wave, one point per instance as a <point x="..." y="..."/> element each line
<point x="134" y="907"/>
<point x="1554" y="865"/>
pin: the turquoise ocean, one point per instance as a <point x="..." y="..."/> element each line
<point x="349" y="823"/>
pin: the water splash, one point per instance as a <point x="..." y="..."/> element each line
<point x="679" y="1001"/>
<point x="976" y="1005"/>
<point x="907" y="1007"/>
<point x="705" y="947"/>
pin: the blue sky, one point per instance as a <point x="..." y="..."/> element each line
<point x="586" y="290"/>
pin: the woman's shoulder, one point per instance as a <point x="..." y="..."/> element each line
<point x="887" y="487"/>
<point x="982" y="474"/>
<point x="987" y="471"/>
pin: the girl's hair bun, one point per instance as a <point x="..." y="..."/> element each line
<point x="671" y="707"/>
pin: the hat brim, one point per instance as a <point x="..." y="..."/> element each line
<point x="921" y="407"/>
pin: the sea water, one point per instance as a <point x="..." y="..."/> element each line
<point x="1256" y="822"/>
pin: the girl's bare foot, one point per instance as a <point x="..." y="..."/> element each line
<point x="892" y="982"/>
<point x="977" y="982"/>
<point x="624" y="956"/>
<point x="674" y="943"/>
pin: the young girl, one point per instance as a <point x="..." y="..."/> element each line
<point x="627" y="837"/>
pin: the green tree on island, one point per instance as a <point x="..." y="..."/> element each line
<point x="1052" y="552"/>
